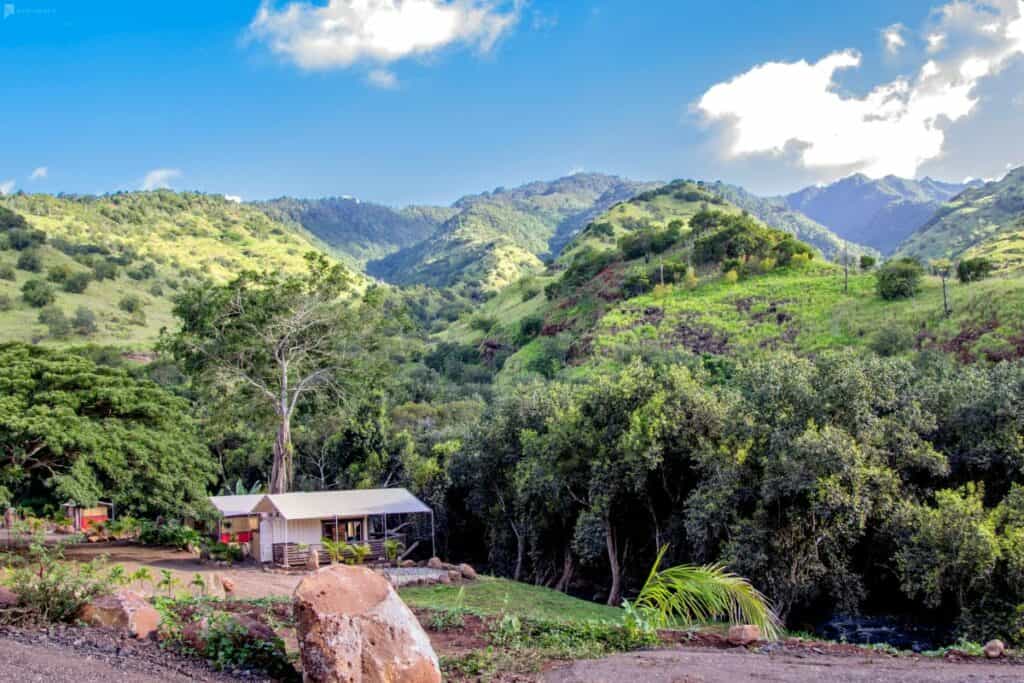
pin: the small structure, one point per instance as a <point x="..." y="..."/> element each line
<point x="291" y="521"/>
<point x="285" y="527"/>
<point x="237" y="523"/>
<point x="83" y="518"/>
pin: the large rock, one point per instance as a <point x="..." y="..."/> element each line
<point x="124" y="611"/>
<point x="353" y="627"/>
<point x="994" y="649"/>
<point x="744" y="635"/>
<point x="435" y="563"/>
<point x="467" y="572"/>
<point x="313" y="560"/>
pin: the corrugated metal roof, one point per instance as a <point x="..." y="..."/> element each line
<point x="236" y="506"/>
<point x="353" y="503"/>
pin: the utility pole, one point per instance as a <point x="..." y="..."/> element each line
<point x="661" y="267"/>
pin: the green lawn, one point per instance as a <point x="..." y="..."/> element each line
<point x="491" y="595"/>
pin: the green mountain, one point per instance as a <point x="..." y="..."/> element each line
<point x="775" y="213"/>
<point x="982" y="221"/>
<point x="878" y="213"/>
<point x="496" y="237"/>
<point x="128" y="253"/>
<point x="732" y="286"/>
<point x="360" y="231"/>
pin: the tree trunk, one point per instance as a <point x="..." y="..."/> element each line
<point x="281" y="474"/>
<point x="520" y="553"/>
<point x="615" y="592"/>
<point x="568" y="569"/>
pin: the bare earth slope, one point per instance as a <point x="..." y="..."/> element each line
<point x="734" y="666"/>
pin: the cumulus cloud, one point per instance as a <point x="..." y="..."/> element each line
<point x="382" y="78"/>
<point x="6" y="187"/>
<point x="796" y="109"/>
<point x="160" y="177"/>
<point x="39" y="173"/>
<point x="233" y="198"/>
<point x="893" y="38"/>
<point x="344" y="32"/>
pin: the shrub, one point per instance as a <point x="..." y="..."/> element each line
<point x="29" y="261"/>
<point x="7" y="273"/>
<point x="172" y="534"/>
<point x="145" y="272"/>
<point x="54" y="589"/>
<point x="974" y="269"/>
<point x="55" y="320"/>
<point x="731" y="277"/>
<point x="529" y="328"/>
<point x="5" y="302"/>
<point x="25" y="238"/>
<point x="58" y="273"/>
<point x="130" y="303"/>
<point x="76" y="283"/>
<point x="800" y="260"/>
<point x="691" y="280"/>
<point x="482" y="323"/>
<point x="84" y="321"/>
<point x="37" y="293"/>
<point x="891" y="341"/>
<point x="156" y="290"/>
<point x="104" y="270"/>
<point x="899" y="279"/>
<point x="867" y="262"/>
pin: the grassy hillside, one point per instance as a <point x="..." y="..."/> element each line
<point x="152" y="243"/>
<point x="774" y="212"/>
<point x="603" y="301"/>
<point x="983" y="221"/>
<point x="879" y="213"/>
<point x="496" y="237"/>
<point x="360" y="231"/>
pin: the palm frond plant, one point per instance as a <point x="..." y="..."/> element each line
<point x="335" y="549"/>
<point x="392" y="548"/>
<point x="689" y="594"/>
<point x="357" y="552"/>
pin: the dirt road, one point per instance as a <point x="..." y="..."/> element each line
<point x="735" y="666"/>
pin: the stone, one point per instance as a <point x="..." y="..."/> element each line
<point x="227" y="584"/>
<point x="455" y="575"/>
<point x="435" y="563"/>
<point x="744" y="635"/>
<point x="445" y="578"/>
<point x="467" y="572"/>
<point x="408" y="564"/>
<point x="994" y="649"/>
<point x="8" y="598"/>
<point x="313" y="560"/>
<point x="352" y="626"/>
<point x="124" y="611"/>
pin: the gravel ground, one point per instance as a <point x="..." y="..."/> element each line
<point x="694" y="665"/>
<point x="87" y="655"/>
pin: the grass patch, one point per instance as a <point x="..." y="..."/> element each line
<point x="493" y="596"/>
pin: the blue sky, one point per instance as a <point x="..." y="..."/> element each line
<point x="103" y="94"/>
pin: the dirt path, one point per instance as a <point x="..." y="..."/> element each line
<point x="250" y="580"/>
<point x="733" y="666"/>
<point x="79" y="655"/>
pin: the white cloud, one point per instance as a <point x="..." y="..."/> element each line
<point x="343" y="32"/>
<point x="382" y="78"/>
<point x="796" y="108"/>
<point x="6" y="187"/>
<point x="893" y="38"/>
<point x="160" y="177"/>
<point x="39" y="173"/>
<point x="233" y="198"/>
<point x="936" y="41"/>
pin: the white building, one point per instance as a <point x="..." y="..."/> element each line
<point x="276" y="524"/>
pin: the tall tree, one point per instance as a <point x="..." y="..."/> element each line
<point x="74" y="430"/>
<point x="275" y="340"/>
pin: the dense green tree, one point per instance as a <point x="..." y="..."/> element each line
<point x="84" y="321"/>
<point x="56" y="322"/>
<point x="37" y="293"/>
<point x="899" y="279"/>
<point x="30" y="261"/>
<point x="73" y="430"/>
<point x="274" y="340"/>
